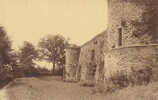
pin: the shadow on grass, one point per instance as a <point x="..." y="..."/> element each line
<point x="5" y="82"/>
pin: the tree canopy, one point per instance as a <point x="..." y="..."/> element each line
<point x="5" y="47"/>
<point x="53" y="49"/>
<point x="27" y="53"/>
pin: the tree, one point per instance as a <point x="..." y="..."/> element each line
<point x="27" y="53"/>
<point x="53" y="49"/>
<point x="5" y="47"/>
<point x="5" y="58"/>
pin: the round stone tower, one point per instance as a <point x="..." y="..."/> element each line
<point x="133" y="31"/>
<point x="72" y="57"/>
<point x="132" y="22"/>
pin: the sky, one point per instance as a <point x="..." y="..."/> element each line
<point x="30" y="20"/>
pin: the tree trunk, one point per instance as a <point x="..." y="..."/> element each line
<point x="53" y="65"/>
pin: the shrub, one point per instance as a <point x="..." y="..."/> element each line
<point x="87" y="83"/>
<point x="122" y="79"/>
<point x="6" y="75"/>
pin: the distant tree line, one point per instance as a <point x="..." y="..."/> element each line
<point x="20" y="63"/>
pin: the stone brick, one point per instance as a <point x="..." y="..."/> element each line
<point x="138" y="20"/>
<point x="91" y="58"/>
<point x="72" y="57"/>
<point x="130" y="41"/>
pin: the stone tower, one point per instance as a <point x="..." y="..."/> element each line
<point x="72" y="57"/>
<point x="132" y="22"/>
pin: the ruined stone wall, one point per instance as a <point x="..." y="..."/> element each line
<point x="132" y="58"/>
<point x="132" y="24"/>
<point x="135" y="20"/>
<point x="91" y="59"/>
<point x="72" y="58"/>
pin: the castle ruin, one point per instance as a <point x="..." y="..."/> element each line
<point x="130" y="42"/>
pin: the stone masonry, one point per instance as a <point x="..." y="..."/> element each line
<point x="91" y="58"/>
<point x="130" y="41"/>
<point x="72" y="56"/>
<point x="132" y="22"/>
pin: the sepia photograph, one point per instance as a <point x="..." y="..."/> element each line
<point x="78" y="49"/>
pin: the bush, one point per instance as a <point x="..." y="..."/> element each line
<point x="87" y="83"/>
<point x="122" y="79"/>
<point x="6" y="75"/>
<point x="43" y="71"/>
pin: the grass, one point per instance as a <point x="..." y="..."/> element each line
<point x="15" y="82"/>
<point x="87" y="83"/>
<point x="5" y="82"/>
<point x="143" y="92"/>
<point x="36" y="89"/>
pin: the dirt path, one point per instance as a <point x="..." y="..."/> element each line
<point x="46" y="88"/>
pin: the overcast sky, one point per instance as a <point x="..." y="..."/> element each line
<point x="80" y="20"/>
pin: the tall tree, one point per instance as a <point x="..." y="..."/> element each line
<point x="5" y="47"/>
<point x="27" y="54"/>
<point x="53" y="49"/>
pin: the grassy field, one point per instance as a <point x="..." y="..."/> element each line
<point x="46" y="88"/>
<point x="53" y="88"/>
